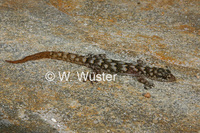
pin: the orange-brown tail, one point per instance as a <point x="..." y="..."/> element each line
<point x="69" y="57"/>
<point x="36" y="56"/>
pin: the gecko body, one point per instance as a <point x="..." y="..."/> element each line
<point x="99" y="63"/>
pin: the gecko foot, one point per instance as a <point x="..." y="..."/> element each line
<point x="147" y="84"/>
<point x="91" y="78"/>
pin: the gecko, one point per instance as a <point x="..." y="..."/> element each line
<point x="99" y="63"/>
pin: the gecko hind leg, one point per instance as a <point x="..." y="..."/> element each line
<point x="94" y="72"/>
<point x="147" y="84"/>
<point x="90" y="77"/>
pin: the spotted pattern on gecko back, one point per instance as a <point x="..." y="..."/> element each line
<point x="99" y="63"/>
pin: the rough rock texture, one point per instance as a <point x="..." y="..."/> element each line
<point x="162" y="33"/>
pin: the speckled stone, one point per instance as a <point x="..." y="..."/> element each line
<point x="162" y="33"/>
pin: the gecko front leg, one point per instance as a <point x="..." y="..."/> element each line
<point x="92" y="75"/>
<point x="147" y="84"/>
<point x="96" y="70"/>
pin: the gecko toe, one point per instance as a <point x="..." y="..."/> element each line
<point x="149" y="85"/>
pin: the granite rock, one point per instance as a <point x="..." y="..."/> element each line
<point x="162" y="33"/>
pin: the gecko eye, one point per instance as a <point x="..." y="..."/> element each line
<point x="160" y="72"/>
<point x="168" y="71"/>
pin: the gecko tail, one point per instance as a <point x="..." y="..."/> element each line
<point x="36" y="56"/>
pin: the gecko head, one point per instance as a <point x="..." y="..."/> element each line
<point x="160" y="74"/>
<point x="168" y="76"/>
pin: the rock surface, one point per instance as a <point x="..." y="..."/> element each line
<point x="162" y="33"/>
